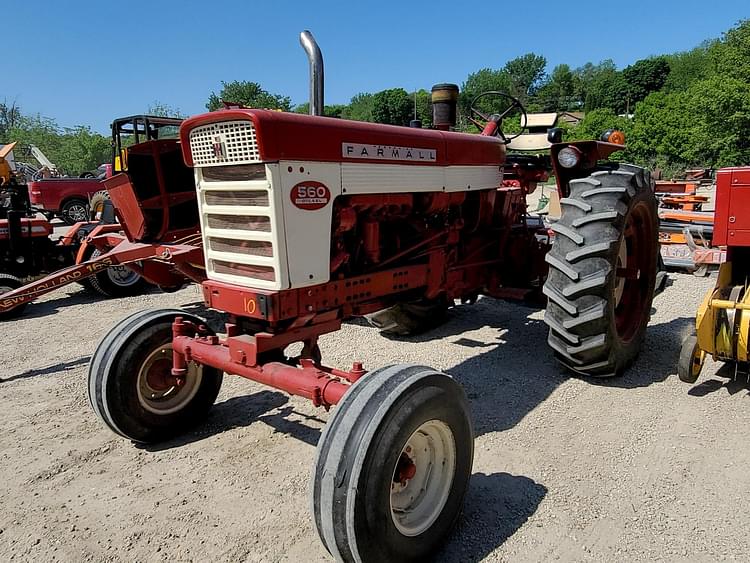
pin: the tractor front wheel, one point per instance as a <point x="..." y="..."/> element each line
<point x="131" y="387"/>
<point x="603" y="269"/>
<point x="393" y="465"/>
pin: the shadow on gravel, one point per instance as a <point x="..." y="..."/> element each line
<point x="56" y="368"/>
<point x="507" y="379"/>
<point x="77" y="296"/>
<point x="282" y="424"/>
<point x="496" y="506"/>
<point x="52" y="306"/>
<point x="236" y="412"/>
<point x="736" y="383"/>
<point x="658" y="358"/>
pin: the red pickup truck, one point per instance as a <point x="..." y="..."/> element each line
<point x="67" y="198"/>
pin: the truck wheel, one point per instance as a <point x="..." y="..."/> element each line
<point x="393" y="465"/>
<point x="131" y="387"/>
<point x="74" y="211"/>
<point x="9" y="283"/>
<point x="691" y="360"/>
<point x="603" y="271"/>
<point x="116" y="281"/>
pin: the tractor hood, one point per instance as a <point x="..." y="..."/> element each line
<point x="273" y="135"/>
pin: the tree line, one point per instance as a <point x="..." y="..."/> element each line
<point x="680" y="110"/>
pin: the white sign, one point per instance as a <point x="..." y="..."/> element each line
<point x="387" y="152"/>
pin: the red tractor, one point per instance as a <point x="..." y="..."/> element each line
<point x="307" y="221"/>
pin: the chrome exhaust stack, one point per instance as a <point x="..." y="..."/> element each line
<point x="315" y="57"/>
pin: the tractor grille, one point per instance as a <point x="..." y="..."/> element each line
<point x="241" y="222"/>
<point x="225" y="142"/>
<point x="253" y="247"/>
<point x="239" y="231"/>
<point x="257" y="198"/>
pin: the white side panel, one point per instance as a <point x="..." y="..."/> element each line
<point x="459" y="178"/>
<point x="400" y="178"/>
<point x="308" y="232"/>
<point x="390" y="178"/>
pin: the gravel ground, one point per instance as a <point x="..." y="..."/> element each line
<point x="638" y="468"/>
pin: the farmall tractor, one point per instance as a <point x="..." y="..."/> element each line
<point x="307" y="221"/>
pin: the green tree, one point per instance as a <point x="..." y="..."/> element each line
<point x="359" y="108"/>
<point x="83" y="150"/>
<point x="643" y="77"/>
<point x="248" y="94"/>
<point x="662" y="131"/>
<point x="392" y="106"/>
<point x="558" y="93"/>
<point x="328" y="111"/>
<point x="483" y="80"/>
<point x="10" y="115"/>
<point x="720" y="110"/>
<point x="73" y="150"/>
<point x="585" y="75"/>
<point x="605" y="88"/>
<point x="164" y="110"/>
<point x="597" y="122"/>
<point x="732" y="54"/>
<point x="424" y="107"/>
<point x="688" y="67"/>
<point x="525" y="75"/>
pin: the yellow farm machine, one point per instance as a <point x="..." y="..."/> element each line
<point x="722" y="324"/>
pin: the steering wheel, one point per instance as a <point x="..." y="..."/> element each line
<point x="493" y="123"/>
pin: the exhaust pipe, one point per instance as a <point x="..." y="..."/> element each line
<point x="315" y="57"/>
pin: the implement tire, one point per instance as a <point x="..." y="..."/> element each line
<point x="7" y="284"/>
<point x="603" y="267"/>
<point x="115" y="281"/>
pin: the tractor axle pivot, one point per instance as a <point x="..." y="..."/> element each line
<point x="238" y="355"/>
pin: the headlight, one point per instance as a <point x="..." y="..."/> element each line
<point x="569" y="157"/>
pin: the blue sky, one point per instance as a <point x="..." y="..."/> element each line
<point x="86" y="62"/>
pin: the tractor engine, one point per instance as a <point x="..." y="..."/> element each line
<point x="290" y="201"/>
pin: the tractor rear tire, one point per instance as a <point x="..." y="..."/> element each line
<point x="130" y="385"/>
<point x="9" y="283"/>
<point x="392" y="466"/>
<point x="115" y="281"/>
<point x="603" y="270"/>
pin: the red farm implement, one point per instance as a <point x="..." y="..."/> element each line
<point x="157" y="238"/>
